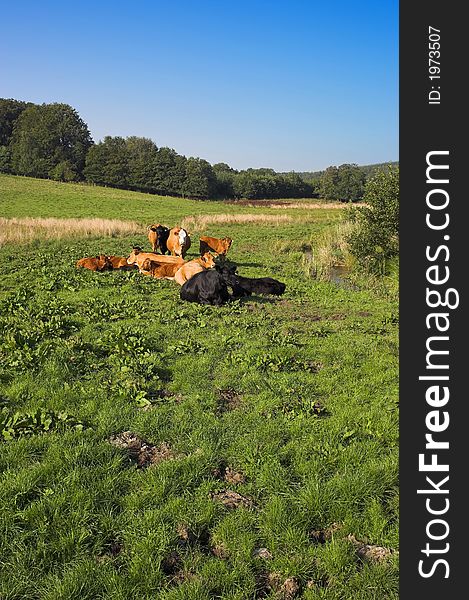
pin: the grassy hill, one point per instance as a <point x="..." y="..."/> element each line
<point x="263" y="444"/>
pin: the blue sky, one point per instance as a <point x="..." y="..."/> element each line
<point x="296" y="85"/>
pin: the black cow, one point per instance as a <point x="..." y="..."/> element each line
<point x="245" y="286"/>
<point x="158" y="236"/>
<point x="207" y="287"/>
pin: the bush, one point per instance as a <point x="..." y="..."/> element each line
<point x="375" y="242"/>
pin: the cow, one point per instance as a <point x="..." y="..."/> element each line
<point x="178" y="242"/>
<point x="189" y="269"/>
<point x="245" y="286"/>
<point x="160" y="270"/>
<point x="120" y="262"/>
<point x="216" y="245"/>
<point x="158" y="236"/>
<point x="137" y="256"/>
<point x="206" y="287"/>
<point x="95" y="263"/>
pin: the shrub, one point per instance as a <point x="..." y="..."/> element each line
<point x="375" y="242"/>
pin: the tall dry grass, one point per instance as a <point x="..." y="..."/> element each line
<point x="26" y="230"/>
<point x="201" y="222"/>
<point x="329" y="249"/>
<point x="308" y="205"/>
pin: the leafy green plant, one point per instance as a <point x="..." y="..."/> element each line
<point x="15" y="424"/>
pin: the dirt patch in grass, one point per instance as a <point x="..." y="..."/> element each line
<point x="321" y="536"/>
<point x="231" y="499"/>
<point x="228" y="400"/>
<point x="274" y="583"/>
<point x="112" y="551"/>
<point x="233" y="476"/>
<point x="141" y="452"/>
<point x="229" y="474"/>
<point x="263" y="553"/>
<point x="370" y="552"/>
<point x="220" y="551"/>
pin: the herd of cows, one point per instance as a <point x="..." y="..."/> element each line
<point x="205" y="279"/>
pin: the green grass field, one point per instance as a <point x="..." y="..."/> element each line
<point x="273" y="420"/>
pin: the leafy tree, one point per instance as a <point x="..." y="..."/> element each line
<point x="351" y="183"/>
<point x="345" y="183"/>
<point x="376" y="240"/>
<point x="225" y="176"/>
<point x="141" y="155"/>
<point x="107" y="163"/>
<point x="10" y="110"/>
<point x="5" y="159"/>
<point x="168" y="172"/>
<point x="63" y="171"/>
<point x="200" y="181"/>
<point x="46" y="135"/>
<point x="328" y="183"/>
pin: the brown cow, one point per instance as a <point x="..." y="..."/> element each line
<point x="95" y="263"/>
<point x="178" y="242"/>
<point x="137" y="256"/>
<point x="120" y="262"/>
<point x="216" y="245"/>
<point x="157" y="236"/>
<point x="160" y="270"/>
<point x="192" y="267"/>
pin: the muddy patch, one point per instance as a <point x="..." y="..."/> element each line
<point x="229" y="474"/>
<point x="228" y="400"/>
<point x="110" y="552"/>
<point x="370" y="552"/>
<point x="202" y="541"/>
<point x="321" y="536"/>
<point x="275" y="586"/>
<point x="231" y="499"/>
<point x="338" y="275"/>
<point x="141" y="452"/>
<point x="263" y="553"/>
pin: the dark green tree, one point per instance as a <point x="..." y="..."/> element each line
<point x="10" y="110"/>
<point x="225" y="177"/>
<point x="168" y="172"/>
<point x="328" y="183"/>
<point x="200" y="181"/>
<point x="107" y="163"/>
<point x="142" y="155"/>
<point x="46" y="135"/>
<point x="351" y="183"/>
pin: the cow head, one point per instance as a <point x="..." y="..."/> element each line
<point x="208" y="260"/>
<point x="146" y="265"/>
<point x="132" y="258"/>
<point x="226" y="241"/>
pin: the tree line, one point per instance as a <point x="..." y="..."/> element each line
<point x="52" y="141"/>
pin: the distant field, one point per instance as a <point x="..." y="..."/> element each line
<point x="271" y="423"/>
<point x="28" y="197"/>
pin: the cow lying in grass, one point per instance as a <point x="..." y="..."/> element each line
<point x="178" y="242"/>
<point x="245" y="286"/>
<point x="158" y="236"/>
<point x="120" y="263"/>
<point x="95" y="263"/>
<point x="138" y="257"/>
<point x="206" y="287"/>
<point x="216" y="245"/>
<point x="160" y="270"/>
<point x="191" y="268"/>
